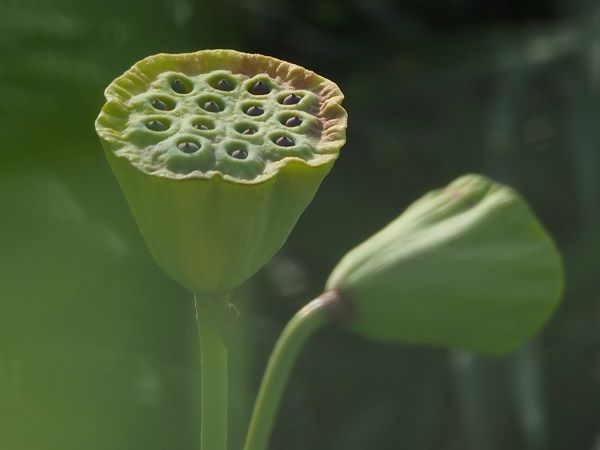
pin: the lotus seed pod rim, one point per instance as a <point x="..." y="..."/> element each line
<point x="331" y="115"/>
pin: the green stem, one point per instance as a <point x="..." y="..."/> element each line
<point x="303" y="325"/>
<point x="213" y="367"/>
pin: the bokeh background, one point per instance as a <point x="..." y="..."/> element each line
<point x="98" y="348"/>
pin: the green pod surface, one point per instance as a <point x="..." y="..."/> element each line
<point x="218" y="153"/>
<point x="468" y="265"/>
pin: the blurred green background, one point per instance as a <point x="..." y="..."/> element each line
<point x="98" y="348"/>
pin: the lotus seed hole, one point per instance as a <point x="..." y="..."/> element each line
<point x="163" y="104"/>
<point x="188" y="147"/>
<point x="292" y="121"/>
<point x="180" y="86"/>
<point x="246" y="128"/>
<point x="291" y="99"/>
<point x="211" y="104"/>
<point x="211" y="107"/>
<point x="283" y="141"/>
<point x="237" y="150"/>
<point x="239" y="153"/>
<point x="224" y="85"/>
<point x="222" y="81"/>
<point x="157" y="125"/>
<point x="204" y="124"/>
<point x="254" y="110"/>
<point x="259" y="88"/>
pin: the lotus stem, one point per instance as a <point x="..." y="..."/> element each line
<point x="214" y="376"/>
<point x="311" y="318"/>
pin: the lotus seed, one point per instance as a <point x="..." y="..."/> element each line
<point x="211" y="107"/>
<point x="224" y="85"/>
<point x="239" y="153"/>
<point x="179" y="87"/>
<point x="291" y="99"/>
<point x="156" y="125"/>
<point x="159" y="104"/>
<point x="284" y="141"/>
<point x="259" y="88"/>
<point x="249" y="131"/>
<point x="188" y="147"/>
<point x="255" y="111"/>
<point x="293" y="121"/>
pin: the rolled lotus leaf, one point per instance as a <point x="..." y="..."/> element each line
<point x="468" y="265"/>
<point x="218" y="153"/>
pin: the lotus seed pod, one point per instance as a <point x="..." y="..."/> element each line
<point x="468" y="265"/>
<point x="213" y="175"/>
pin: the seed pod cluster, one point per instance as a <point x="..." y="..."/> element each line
<point x="228" y="121"/>
<point x="218" y="152"/>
